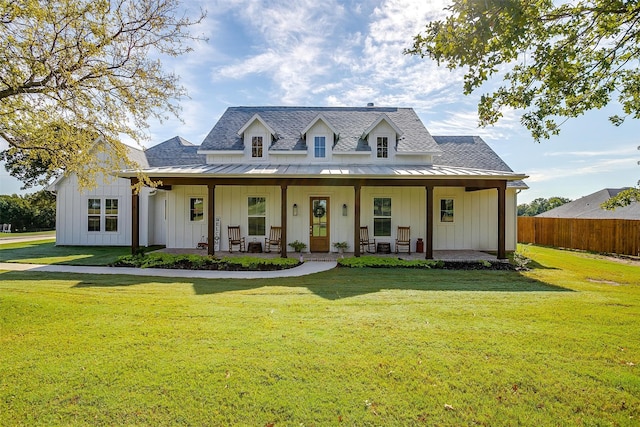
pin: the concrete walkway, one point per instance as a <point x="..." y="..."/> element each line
<point x="17" y="237"/>
<point x="309" y="267"/>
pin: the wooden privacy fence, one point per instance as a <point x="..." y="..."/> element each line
<point x="617" y="236"/>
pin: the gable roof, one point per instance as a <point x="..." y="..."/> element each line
<point x="350" y="123"/>
<point x="588" y="207"/>
<point x="318" y="118"/>
<point x="173" y="152"/>
<point x="250" y="122"/>
<point x="471" y="152"/>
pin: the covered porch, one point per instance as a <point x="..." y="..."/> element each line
<point x="285" y="181"/>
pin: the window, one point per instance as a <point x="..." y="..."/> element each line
<point x="257" y="216"/>
<point x="382" y="216"/>
<point x="256" y="146"/>
<point x="383" y="147"/>
<point x="94" y="213"/>
<point x="196" y="209"/>
<point x="446" y="210"/>
<point x="319" y="146"/>
<point x="111" y="215"/>
<point x="96" y="216"/>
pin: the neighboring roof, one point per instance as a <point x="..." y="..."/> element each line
<point x="175" y="151"/>
<point x="588" y="207"/>
<point x="289" y="122"/>
<point x="471" y="152"/>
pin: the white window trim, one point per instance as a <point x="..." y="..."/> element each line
<point x="103" y="215"/>
<point x="439" y="210"/>
<point x="376" y="148"/>
<point x="373" y="216"/>
<point x="266" y="214"/>
<point x="264" y="147"/>
<point x="326" y="147"/>
<point x="204" y="209"/>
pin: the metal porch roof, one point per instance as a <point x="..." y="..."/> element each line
<point x="244" y="170"/>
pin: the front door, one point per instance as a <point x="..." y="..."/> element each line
<point x="319" y="228"/>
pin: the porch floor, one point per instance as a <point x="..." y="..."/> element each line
<point x="448" y="255"/>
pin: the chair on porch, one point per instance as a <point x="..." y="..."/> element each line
<point x="235" y="239"/>
<point x="403" y="239"/>
<point x="365" y="243"/>
<point x="274" y="239"/>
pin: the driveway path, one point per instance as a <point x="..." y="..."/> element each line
<point x="17" y="237"/>
<point x="309" y="267"/>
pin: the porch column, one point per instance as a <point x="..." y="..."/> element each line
<point x="211" y="226"/>
<point x="135" y="217"/>
<point x="283" y="221"/>
<point x="429" y="238"/>
<point x="502" y="226"/>
<point x="356" y="221"/>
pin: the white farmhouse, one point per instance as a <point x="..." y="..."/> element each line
<point x="318" y="175"/>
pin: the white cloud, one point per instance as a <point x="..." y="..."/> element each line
<point x="350" y="54"/>
<point x="593" y="168"/>
<point x="621" y="151"/>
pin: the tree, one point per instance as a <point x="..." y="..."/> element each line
<point x="539" y="205"/>
<point x="73" y="71"/>
<point x="561" y="59"/>
<point x="623" y="198"/>
<point x="31" y="212"/>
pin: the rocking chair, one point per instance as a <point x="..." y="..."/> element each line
<point x="235" y="239"/>
<point x="403" y="239"/>
<point x="274" y="239"/>
<point x="365" y="242"/>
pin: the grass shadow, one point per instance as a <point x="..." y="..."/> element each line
<point x="335" y="284"/>
<point x="46" y="252"/>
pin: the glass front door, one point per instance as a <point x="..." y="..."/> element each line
<point x="319" y="228"/>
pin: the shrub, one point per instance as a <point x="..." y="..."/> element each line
<point x="199" y="262"/>
<point x="255" y="263"/>
<point x="385" y="262"/>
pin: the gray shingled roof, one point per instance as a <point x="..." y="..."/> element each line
<point x="137" y="156"/>
<point x="470" y="152"/>
<point x="174" y="152"/>
<point x="349" y="122"/>
<point x="588" y="207"/>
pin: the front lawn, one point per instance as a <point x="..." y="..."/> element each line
<point x="557" y="345"/>
<point x="46" y="252"/>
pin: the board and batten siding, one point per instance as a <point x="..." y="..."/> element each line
<point x="72" y="215"/>
<point x="475" y="225"/>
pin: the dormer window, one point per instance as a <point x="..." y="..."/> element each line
<point x="256" y="146"/>
<point x="382" y="147"/>
<point x="319" y="146"/>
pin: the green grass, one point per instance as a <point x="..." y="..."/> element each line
<point x="46" y="252"/>
<point x="557" y="345"/>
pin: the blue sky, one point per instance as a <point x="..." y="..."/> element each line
<point x="349" y="53"/>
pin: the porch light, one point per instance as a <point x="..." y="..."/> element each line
<point x="344" y="209"/>
<point x="295" y="209"/>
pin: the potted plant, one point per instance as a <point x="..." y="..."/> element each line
<point x="298" y="246"/>
<point x="341" y="246"/>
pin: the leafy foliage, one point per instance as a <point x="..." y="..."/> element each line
<point x="385" y="262"/>
<point x="298" y="246"/>
<point x="72" y="71"/>
<point x="199" y="262"/>
<point x="540" y="205"/>
<point x="563" y="58"/>
<point x="623" y="198"/>
<point x="31" y="212"/>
